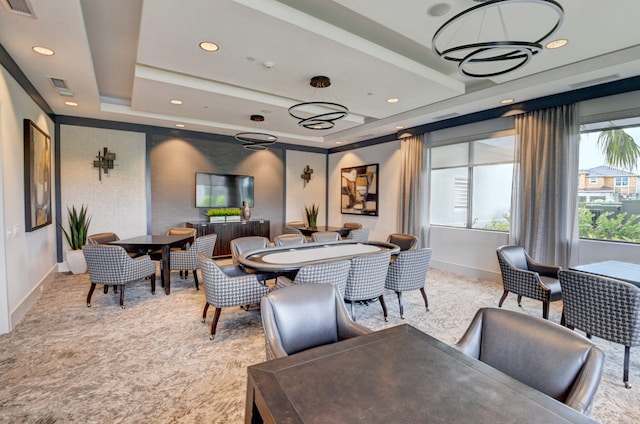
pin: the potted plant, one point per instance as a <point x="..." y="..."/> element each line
<point x="78" y="222"/>
<point x="312" y="215"/>
<point x="216" y="214"/>
<point x="233" y="214"/>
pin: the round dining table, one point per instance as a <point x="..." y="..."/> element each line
<point x="291" y="258"/>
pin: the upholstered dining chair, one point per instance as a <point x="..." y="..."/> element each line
<point x="289" y="239"/>
<point x="358" y="234"/>
<point x="602" y="307"/>
<point x="243" y="244"/>
<point x="525" y="277"/>
<point x="223" y="290"/>
<point x="156" y="255"/>
<point x="334" y="272"/>
<point x="325" y="236"/>
<point x="188" y="259"/>
<point x="304" y="316"/>
<point x="112" y="266"/>
<point x="366" y="279"/>
<point x="539" y="353"/>
<point x="404" y="241"/>
<point x="352" y="225"/>
<point x="409" y="272"/>
<point x="102" y="238"/>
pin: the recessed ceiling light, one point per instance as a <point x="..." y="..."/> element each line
<point x="43" y="50"/>
<point x="439" y="9"/>
<point x="393" y="100"/>
<point x="556" y="44"/>
<point x="208" y="46"/>
<point x="399" y="127"/>
<point x="180" y="125"/>
<point x="506" y="101"/>
<point x="338" y="142"/>
<point x="176" y="102"/>
<point x="68" y="103"/>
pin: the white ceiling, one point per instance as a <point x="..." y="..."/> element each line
<point x="124" y="60"/>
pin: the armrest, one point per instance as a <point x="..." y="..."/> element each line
<point x="584" y="389"/>
<point x="544" y="270"/>
<point x="470" y="342"/>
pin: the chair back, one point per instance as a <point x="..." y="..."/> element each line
<point x="602" y="307"/>
<point x="515" y="256"/>
<point x="242" y="244"/>
<point x="296" y="224"/>
<point x="289" y="239"/>
<point x="205" y="244"/>
<point x="290" y="230"/>
<point x="301" y="316"/>
<point x="325" y="236"/>
<point x="403" y="241"/>
<point x="222" y="290"/>
<point x="409" y="270"/>
<point x="538" y="353"/>
<point x="352" y="225"/>
<point x="106" y="263"/>
<point x="335" y="273"/>
<point x="182" y="231"/>
<point x="359" y="234"/>
<point x="367" y="276"/>
<point x="102" y="238"/>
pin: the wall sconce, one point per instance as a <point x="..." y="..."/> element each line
<point x="306" y="175"/>
<point x="104" y="162"/>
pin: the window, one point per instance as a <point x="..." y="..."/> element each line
<point x="593" y="180"/>
<point x="609" y="210"/>
<point x="471" y="183"/>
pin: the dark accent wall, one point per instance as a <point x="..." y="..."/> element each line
<point x="175" y="160"/>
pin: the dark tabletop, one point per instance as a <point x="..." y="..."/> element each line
<point x="624" y="271"/>
<point x="307" y="231"/>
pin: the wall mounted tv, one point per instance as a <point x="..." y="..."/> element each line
<point x="223" y="190"/>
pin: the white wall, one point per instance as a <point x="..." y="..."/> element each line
<point x="298" y="195"/>
<point x="29" y="258"/>
<point x="116" y="204"/>
<point x="388" y="156"/>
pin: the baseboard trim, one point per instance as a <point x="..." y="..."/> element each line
<point x="30" y="299"/>
<point x="482" y="274"/>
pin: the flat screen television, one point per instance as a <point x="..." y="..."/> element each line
<point x="223" y="190"/>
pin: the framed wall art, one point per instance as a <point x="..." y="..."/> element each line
<point x="359" y="190"/>
<point x="37" y="177"/>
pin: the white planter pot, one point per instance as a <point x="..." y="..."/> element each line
<point x="76" y="262"/>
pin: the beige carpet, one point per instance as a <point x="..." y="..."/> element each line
<point x="154" y="363"/>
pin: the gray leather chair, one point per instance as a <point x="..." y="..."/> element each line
<point x="243" y="244"/>
<point x="289" y="239"/>
<point x="409" y="272"/>
<point x="525" y="277"/>
<point x="325" y="236"/>
<point x="303" y="316"/>
<point x="602" y="307"/>
<point x="404" y="241"/>
<point x="539" y="353"/>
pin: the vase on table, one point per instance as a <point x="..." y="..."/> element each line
<point x="246" y="211"/>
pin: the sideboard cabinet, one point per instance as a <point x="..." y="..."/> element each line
<point x="228" y="231"/>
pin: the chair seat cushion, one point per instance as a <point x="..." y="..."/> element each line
<point x="554" y="286"/>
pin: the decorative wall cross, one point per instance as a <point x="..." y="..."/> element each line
<point x="104" y="162"/>
<point x="306" y="175"/>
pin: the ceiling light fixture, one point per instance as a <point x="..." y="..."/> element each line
<point x="506" y="101"/>
<point x="176" y="102"/>
<point x="318" y="115"/>
<point x="556" y="44"/>
<point x="393" y="100"/>
<point x="208" y="46"/>
<point x="256" y="140"/>
<point x="70" y="103"/>
<point x="43" y="50"/>
<point x="491" y="39"/>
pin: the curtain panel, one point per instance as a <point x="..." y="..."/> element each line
<point x="545" y="189"/>
<point x="410" y="216"/>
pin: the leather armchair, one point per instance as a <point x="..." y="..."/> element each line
<point x="325" y="236"/>
<point x="525" y="277"/>
<point x="243" y="244"/>
<point x="289" y="239"/>
<point x="303" y="316"/>
<point x="352" y="225"/>
<point x="404" y="241"/>
<point x="538" y="353"/>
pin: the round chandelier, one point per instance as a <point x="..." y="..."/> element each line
<point x="255" y="140"/>
<point x="489" y="39"/>
<point x="318" y="115"/>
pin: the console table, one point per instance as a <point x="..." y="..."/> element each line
<point x="228" y="231"/>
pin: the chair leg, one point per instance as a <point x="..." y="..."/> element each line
<point x="353" y="311"/>
<point x="195" y="279"/>
<point x="424" y="296"/>
<point x="384" y="307"/>
<point x="93" y="287"/>
<point x="545" y="310"/>
<point x="520" y="300"/>
<point x="504" y="296"/>
<point x="563" y="320"/>
<point x="204" y="313"/>
<point x="161" y="277"/>
<point x="121" y="296"/>
<point x="105" y="289"/>
<point x="625" y="373"/>
<point x="214" y="324"/>
<point x="400" y="304"/>
<point x="153" y="283"/>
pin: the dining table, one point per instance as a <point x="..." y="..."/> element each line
<point x="153" y="242"/>
<point x="396" y="375"/>
<point x="624" y="271"/>
<point x="283" y="259"/>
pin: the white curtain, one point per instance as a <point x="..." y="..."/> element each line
<point x="545" y="188"/>
<point x="412" y="211"/>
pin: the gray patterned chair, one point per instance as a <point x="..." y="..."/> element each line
<point x="525" y="277"/>
<point x="304" y="316"/>
<point x="358" y="234"/>
<point x="539" y="353"/>
<point x="112" y="266"/>
<point x="222" y="290"/>
<point x="366" y="279"/>
<point x="404" y="241"/>
<point x="602" y="307"/>
<point x="289" y="239"/>
<point x="409" y="272"/>
<point x="325" y="236"/>
<point x="334" y="273"/>
<point x="188" y="259"/>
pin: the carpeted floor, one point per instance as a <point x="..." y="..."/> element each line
<point x="154" y="363"/>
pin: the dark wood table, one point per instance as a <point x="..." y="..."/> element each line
<point x="293" y="257"/>
<point x="307" y="231"/>
<point x="397" y="375"/>
<point x="624" y="271"/>
<point x="151" y="242"/>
